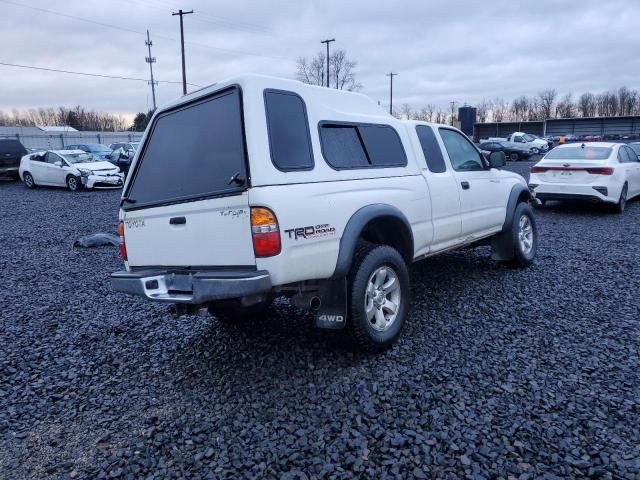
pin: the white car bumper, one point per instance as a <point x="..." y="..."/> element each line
<point x="603" y="192"/>
<point x="103" y="181"/>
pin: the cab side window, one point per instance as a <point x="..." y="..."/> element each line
<point x="431" y="149"/>
<point x="463" y="155"/>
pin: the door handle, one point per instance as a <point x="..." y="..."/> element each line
<point x="465" y="185"/>
<point x="178" y="221"/>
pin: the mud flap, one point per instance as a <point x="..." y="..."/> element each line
<point x="333" y="309"/>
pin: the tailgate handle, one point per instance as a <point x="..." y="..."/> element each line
<point x="178" y="221"/>
<point x="465" y="185"/>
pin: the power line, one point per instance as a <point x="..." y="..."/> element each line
<point x="138" y="32"/>
<point x="86" y="74"/>
<point x="328" y="41"/>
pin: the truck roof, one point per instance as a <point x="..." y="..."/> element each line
<point x="338" y="100"/>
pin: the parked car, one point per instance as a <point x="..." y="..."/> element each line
<point x="544" y="139"/>
<point x="600" y="172"/>
<point x="635" y="146"/>
<point x="74" y="169"/>
<point x="513" y="151"/>
<point x="127" y="146"/>
<point x="536" y="145"/>
<point x="122" y="159"/>
<point x="98" y="150"/>
<point x="570" y="137"/>
<point x="342" y="197"/>
<point x="11" y="151"/>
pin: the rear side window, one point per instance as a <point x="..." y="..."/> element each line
<point x="431" y="149"/>
<point x="289" y="139"/>
<point x="193" y="152"/>
<point x="348" y="146"/>
<point x="13" y="147"/>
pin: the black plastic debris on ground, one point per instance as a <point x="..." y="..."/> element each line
<point x="97" y="240"/>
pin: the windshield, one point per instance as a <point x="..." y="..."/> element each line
<point x="135" y="145"/>
<point x="579" y="153"/>
<point x="78" y="157"/>
<point x="529" y="138"/>
<point x="98" y="148"/>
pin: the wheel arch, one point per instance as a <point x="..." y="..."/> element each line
<point x="377" y="223"/>
<point x="519" y="193"/>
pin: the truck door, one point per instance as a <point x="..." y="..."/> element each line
<point x="481" y="193"/>
<point x="445" y="197"/>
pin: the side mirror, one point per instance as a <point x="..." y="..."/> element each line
<point x="58" y="163"/>
<point x="497" y="160"/>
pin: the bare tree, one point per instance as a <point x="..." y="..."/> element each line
<point x="520" y="108"/>
<point x="546" y="99"/>
<point x="341" y="70"/>
<point x="405" y="111"/>
<point x="566" y="108"/>
<point x="587" y="104"/>
<point x="482" y="111"/>
<point x="500" y="110"/>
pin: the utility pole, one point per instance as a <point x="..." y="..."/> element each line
<point x="328" y="41"/>
<point x="391" y="75"/>
<point x="184" y="72"/>
<point x="453" y="109"/>
<point x="151" y="60"/>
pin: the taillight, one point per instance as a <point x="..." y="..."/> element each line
<point x="123" y="247"/>
<point x="600" y="171"/>
<point x="264" y="232"/>
<point x="538" y="169"/>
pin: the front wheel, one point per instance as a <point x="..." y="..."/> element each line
<point x="535" y="150"/>
<point x="379" y="293"/>
<point x="73" y="183"/>
<point x="524" y="235"/>
<point x="514" y="157"/>
<point x="28" y="180"/>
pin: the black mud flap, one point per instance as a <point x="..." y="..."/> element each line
<point x="333" y="309"/>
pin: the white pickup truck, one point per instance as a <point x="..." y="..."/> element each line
<point x="259" y="187"/>
<point x="536" y="145"/>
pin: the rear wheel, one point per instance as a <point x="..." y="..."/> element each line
<point x="622" y="201"/>
<point x="514" y="157"/>
<point x="379" y="292"/>
<point x="73" y="183"/>
<point x="28" y="180"/>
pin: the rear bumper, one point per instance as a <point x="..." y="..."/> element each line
<point x="194" y="288"/>
<point x="568" y="191"/>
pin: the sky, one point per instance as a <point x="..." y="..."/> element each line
<point x="454" y="50"/>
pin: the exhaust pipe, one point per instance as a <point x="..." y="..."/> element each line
<point x="307" y="302"/>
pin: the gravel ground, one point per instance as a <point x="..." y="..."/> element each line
<point x="500" y="373"/>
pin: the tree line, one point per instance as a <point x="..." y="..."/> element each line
<point x="77" y="117"/>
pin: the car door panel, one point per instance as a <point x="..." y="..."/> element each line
<point x="481" y="189"/>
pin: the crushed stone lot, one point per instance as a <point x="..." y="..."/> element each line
<point x="500" y="373"/>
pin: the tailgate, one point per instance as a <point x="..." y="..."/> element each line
<point x="208" y="233"/>
<point x="187" y="202"/>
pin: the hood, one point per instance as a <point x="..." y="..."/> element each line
<point x="95" y="166"/>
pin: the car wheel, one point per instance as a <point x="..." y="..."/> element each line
<point x="379" y="293"/>
<point x="232" y="311"/>
<point x="73" y="183"/>
<point x="535" y="150"/>
<point x="622" y="201"/>
<point x="28" y="180"/>
<point x="524" y="235"/>
<point x="514" y="157"/>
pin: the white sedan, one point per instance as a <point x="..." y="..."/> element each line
<point x="598" y="172"/>
<point x="73" y="169"/>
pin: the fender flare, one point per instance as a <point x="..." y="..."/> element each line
<point x="516" y="192"/>
<point x="354" y="228"/>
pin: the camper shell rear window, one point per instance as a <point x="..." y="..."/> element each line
<point x="192" y="152"/>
